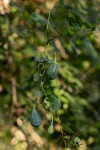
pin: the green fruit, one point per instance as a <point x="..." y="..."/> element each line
<point x="35" y="118"/>
<point x="52" y="71"/>
<point x="50" y="129"/>
<point x="54" y="102"/>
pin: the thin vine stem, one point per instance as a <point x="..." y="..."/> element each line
<point x="48" y="17"/>
<point x="47" y="27"/>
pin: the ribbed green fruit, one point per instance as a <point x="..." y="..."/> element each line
<point x="35" y="118"/>
<point x="52" y="71"/>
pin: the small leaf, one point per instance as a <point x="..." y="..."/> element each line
<point x="38" y="92"/>
<point x="67" y="129"/>
<point x="48" y="92"/>
<point x="38" y="18"/>
<point x="77" y="140"/>
<point x="76" y="26"/>
<point x="54" y="102"/>
<point x="36" y="77"/>
<point x="71" y="20"/>
<point x="41" y="59"/>
<point x="14" y="4"/>
<point x="67" y="137"/>
<point x="68" y="6"/>
<point x="73" y="143"/>
<point x="61" y="2"/>
<point x="46" y="104"/>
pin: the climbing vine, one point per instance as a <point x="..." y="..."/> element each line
<point x="46" y="71"/>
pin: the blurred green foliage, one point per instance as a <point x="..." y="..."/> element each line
<point x="75" y="33"/>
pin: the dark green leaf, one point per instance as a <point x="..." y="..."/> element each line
<point x="38" y="92"/>
<point x="54" y="102"/>
<point x="36" y="77"/>
<point x="67" y="129"/>
<point x="41" y="59"/>
<point x="48" y="92"/>
<point x="61" y="2"/>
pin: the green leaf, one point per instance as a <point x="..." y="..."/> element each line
<point x="67" y="129"/>
<point x="14" y="4"/>
<point x="41" y="59"/>
<point x="73" y="143"/>
<point x="76" y="26"/>
<point x="36" y="77"/>
<point x="46" y="104"/>
<point x="68" y="6"/>
<point x="67" y="137"/>
<point x="54" y="102"/>
<point x="61" y="2"/>
<point x="71" y="20"/>
<point x="48" y="92"/>
<point x="90" y="50"/>
<point x="77" y="140"/>
<point x="38" y="18"/>
<point x="38" y="92"/>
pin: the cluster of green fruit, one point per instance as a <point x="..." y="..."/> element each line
<point x="47" y="70"/>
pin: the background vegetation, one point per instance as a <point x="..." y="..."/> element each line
<point x="75" y="32"/>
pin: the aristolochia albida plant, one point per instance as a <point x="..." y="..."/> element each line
<point x="47" y="70"/>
